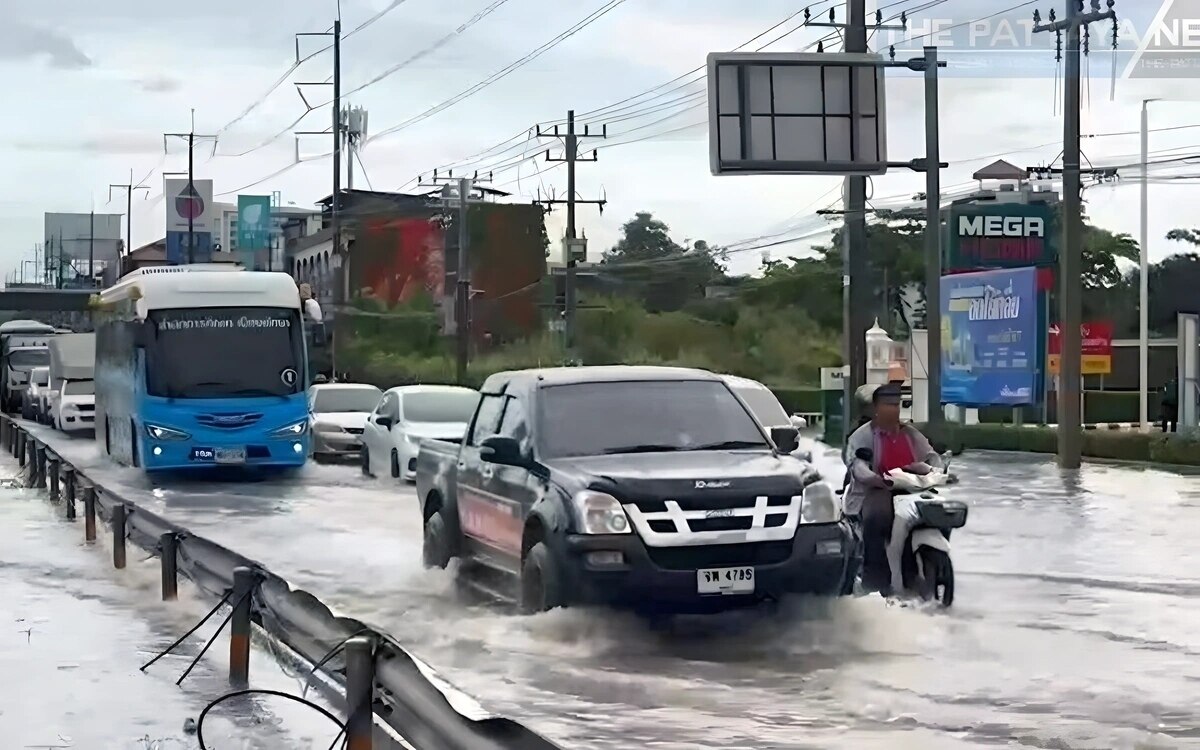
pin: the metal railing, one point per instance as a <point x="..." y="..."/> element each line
<point x="381" y="681"/>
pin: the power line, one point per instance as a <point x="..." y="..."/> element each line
<point x="591" y="18"/>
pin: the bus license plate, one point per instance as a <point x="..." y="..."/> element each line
<point x="230" y="455"/>
<point x="725" y="581"/>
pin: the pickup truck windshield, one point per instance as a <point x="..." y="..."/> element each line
<point x="765" y="406"/>
<point x="590" y="419"/>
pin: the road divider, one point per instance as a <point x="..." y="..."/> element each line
<point x="380" y="680"/>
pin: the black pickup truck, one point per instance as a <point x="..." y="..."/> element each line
<point x="650" y="488"/>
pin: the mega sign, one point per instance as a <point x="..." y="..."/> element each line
<point x="1000" y="236"/>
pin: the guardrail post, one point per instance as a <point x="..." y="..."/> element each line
<point x="118" y="530"/>
<point x="167" y="545"/>
<point x="4" y="431"/>
<point x="244" y="581"/>
<point x="360" y="692"/>
<point x="69" y="483"/>
<point x="89" y="511"/>
<point x="52" y="470"/>
<point x="39" y="466"/>
<point x="22" y="444"/>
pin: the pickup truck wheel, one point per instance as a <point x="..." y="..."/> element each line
<point x="541" y="584"/>
<point x="436" y="546"/>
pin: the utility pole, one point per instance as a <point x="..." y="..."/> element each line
<point x="129" y="188"/>
<point x="92" y="247"/>
<point x="933" y="242"/>
<point x="856" y="294"/>
<point x="1144" y="278"/>
<point x="1070" y="429"/>
<point x="191" y="136"/>
<point x="462" y="287"/>
<point x="575" y="250"/>
<point x="342" y="286"/>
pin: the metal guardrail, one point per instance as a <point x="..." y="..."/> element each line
<point x="373" y="669"/>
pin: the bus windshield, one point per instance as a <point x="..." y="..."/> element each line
<point x="224" y="352"/>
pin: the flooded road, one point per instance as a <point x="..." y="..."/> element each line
<point x="1074" y="624"/>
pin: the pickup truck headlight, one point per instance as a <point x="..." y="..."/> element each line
<point x="600" y="513"/>
<point x="295" y="429"/>
<point x="818" y="505"/>
<point x="165" y="433"/>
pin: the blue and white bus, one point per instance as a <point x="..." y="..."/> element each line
<point x="201" y="365"/>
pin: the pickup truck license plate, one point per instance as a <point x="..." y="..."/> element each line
<point x="725" y="580"/>
<point x="230" y="455"/>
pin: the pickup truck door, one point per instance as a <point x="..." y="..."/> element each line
<point x="485" y="515"/>
<point x="515" y="484"/>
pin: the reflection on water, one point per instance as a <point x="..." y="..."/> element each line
<point x="1074" y="624"/>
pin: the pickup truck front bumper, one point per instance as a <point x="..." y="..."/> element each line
<point x="820" y="559"/>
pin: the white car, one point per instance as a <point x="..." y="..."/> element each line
<point x="409" y="414"/>
<point x="74" y="407"/>
<point x="33" y="406"/>
<point x="337" y="415"/>
<point x="766" y="407"/>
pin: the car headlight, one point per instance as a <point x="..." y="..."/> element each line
<point x="320" y="427"/>
<point x="295" y="429"/>
<point x="165" y="433"/>
<point x="818" y="505"/>
<point x="600" y="513"/>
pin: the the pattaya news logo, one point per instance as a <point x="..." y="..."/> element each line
<point x="1154" y="39"/>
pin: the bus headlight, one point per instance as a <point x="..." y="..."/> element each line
<point x="165" y="433"/>
<point x="295" y="429"/>
<point x="600" y="513"/>
<point x="819" y="505"/>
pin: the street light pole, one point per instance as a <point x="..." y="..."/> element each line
<point x="1144" y="279"/>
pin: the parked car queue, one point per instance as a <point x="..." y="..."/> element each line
<point x="383" y="430"/>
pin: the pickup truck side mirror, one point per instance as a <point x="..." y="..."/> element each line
<point x="786" y="439"/>
<point x="501" y="449"/>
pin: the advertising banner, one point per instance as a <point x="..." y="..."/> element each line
<point x="990" y="338"/>
<point x="254" y="222"/>
<point x="1096" y="351"/>
<point x="177" y="248"/>
<point x="1002" y="235"/>
<point x="189" y="199"/>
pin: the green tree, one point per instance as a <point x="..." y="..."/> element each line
<point x="647" y="265"/>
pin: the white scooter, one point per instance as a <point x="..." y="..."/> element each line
<point x="919" y="550"/>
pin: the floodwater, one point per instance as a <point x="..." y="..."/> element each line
<point x="74" y="633"/>
<point x="1074" y="624"/>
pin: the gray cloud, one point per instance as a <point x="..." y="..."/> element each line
<point x="19" y="41"/>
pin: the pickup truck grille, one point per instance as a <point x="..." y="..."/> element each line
<point x="720" y="555"/>
<point x="710" y="521"/>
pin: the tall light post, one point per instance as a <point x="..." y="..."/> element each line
<point x="1144" y="277"/>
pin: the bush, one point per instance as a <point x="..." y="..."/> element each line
<point x="804" y="400"/>
<point x="1122" y="445"/>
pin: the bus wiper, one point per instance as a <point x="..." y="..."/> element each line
<point x="648" y="448"/>
<point x="728" y="445"/>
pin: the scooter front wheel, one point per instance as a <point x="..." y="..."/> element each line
<point x="938" y="576"/>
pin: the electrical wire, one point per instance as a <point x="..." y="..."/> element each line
<point x="342" y="727"/>
<point x="588" y="20"/>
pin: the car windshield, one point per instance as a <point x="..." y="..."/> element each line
<point x="27" y="359"/>
<point x="589" y="419"/>
<point x="767" y="409"/>
<point x="79" y="388"/>
<point x="330" y="400"/>
<point x="440" y="406"/>
<point x="40" y="376"/>
<point x="224" y="352"/>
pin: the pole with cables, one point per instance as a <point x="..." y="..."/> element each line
<point x="1144" y="278"/>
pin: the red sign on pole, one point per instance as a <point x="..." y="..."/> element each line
<point x="1096" y="347"/>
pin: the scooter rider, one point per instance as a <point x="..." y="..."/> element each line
<point x="874" y="449"/>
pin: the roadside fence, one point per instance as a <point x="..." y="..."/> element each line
<point x="379" y="679"/>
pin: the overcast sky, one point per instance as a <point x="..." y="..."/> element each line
<point x="92" y="86"/>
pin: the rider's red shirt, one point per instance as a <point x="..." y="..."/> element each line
<point x="895" y="450"/>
